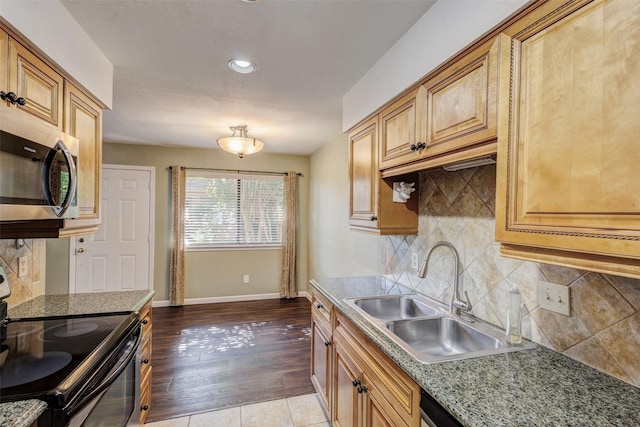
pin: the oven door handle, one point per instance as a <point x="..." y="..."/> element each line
<point x="111" y="378"/>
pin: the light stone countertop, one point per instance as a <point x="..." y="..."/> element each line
<point x="537" y="387"/>
<point x="81" y="304"/>
<point x="23" y="413"/>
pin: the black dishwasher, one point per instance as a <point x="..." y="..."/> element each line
<point x="434" y="415"/>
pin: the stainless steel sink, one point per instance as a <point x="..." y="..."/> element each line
<point x="395" y="307"/>
<point x="442" y="336"/>
<point x="425" y="329"/>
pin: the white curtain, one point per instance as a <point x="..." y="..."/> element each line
<point x="176" y="268"/>
<point x="288" y="288"/>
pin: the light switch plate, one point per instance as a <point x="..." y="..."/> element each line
<point x="414" y="260"/>
<point x="555" y="298"/>
<point x="245" y="278"/>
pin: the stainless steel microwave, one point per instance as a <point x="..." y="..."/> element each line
<point x="38" y="169"/>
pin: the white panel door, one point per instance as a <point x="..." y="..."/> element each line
<point x="119" y="256"/>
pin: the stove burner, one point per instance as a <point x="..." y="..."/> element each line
<point x="24" y="369"/>
<point x="74" y="330"/>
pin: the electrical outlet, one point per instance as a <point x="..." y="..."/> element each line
<point x="555" y="298"/>
<point x="22" y="266"/>
<point x="245" y="278"/>
<point x="414" y="260"/>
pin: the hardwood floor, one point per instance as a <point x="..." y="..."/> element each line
<point x="212" y="356"/>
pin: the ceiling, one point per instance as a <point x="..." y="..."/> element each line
<point x="172" y="85"/>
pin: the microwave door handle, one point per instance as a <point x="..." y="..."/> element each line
<point x="72" y="178"/>
<point x="73" y="182"/>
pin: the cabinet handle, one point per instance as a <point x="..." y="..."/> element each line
<point x="355" y="383"/>
<point x="362" y="389"/>
<point x="145" y="361"/>
<point x="145" y="408"/>
<point x="327" y="343"/>
<point x="373" y="218"/>
<point x="12" y="97"/>
<point x="413" y="147"/>
<point x="319" y="306"/>
<point x="145" y="321"/>
<point x="420" y="146"/>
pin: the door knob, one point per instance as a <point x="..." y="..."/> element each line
<point x="80" y="250"/>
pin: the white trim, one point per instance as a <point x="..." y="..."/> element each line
<point x="152" y="227"/>
<point x="234" y="298"/>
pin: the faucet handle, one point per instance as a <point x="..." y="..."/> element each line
<point x="463" y="305"/>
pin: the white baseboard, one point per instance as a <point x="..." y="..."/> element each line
<point x="211" y="300"/>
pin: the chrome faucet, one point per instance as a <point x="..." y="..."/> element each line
<point x="456" y="304"/>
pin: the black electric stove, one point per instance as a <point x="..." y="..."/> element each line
<point x="55" y="359"/>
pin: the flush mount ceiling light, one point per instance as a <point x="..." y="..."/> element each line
<point x="240" y="144"/>
<point x="241" y="66"/>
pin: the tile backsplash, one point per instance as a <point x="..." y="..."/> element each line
<point x="31" y="284"/>
<point x="603" y="330"/>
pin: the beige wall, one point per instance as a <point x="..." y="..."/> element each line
<point x="32" y="284"/>
<point x="334" y="249"/>
<point x="603" y="330"/>
<point x="216" y="274"/>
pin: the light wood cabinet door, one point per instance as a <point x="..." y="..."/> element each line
<point x="461" y="102"/>
<point x="374" y="409"/>
<point x="83" y="120"/>
<point x="402" y="136"/>
<point x="346" y="399"/>
<point x="363" y="175"/>
<point x="321" y="361"/>
<point x="4" y="61"/>
<point x="371" y="197"/>
<point x="36" y="82"/>
<point x="568" y="184"/>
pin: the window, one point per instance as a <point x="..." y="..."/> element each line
<point x="225" y="211"/>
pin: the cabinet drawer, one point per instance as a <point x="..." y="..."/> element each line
<point x="321" y="309"/>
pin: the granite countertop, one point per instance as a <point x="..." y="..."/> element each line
<point x="23" y="413"/>
<point x="536" y="387"/>
<point x="81" y="304"/>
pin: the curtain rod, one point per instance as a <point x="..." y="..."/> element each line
<point x="237" y="170"/>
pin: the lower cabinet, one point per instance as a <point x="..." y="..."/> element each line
<point x="145" y="363"/>
<point x="359" y="385"/>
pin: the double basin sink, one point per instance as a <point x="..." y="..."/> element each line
<point x="428" y="331"/>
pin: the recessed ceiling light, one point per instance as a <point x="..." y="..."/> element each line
<point x="242" y="66"/>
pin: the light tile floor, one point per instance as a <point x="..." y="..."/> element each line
<point x="299" y="411"/>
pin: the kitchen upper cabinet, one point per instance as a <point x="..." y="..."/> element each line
<point x="568" y="188"/>
<point x="402" y="136"/>
<point x="4" y="56"/>
<point x="450" y="117"/>
<point x="371" y="197"/>
<point x="461" y="104"/>
<point x="83" y="120"/>
<point x="39" y="84"/>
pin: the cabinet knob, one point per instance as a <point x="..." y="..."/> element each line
<point x="373" y="218"/>
<point x="319" y="306"/>
<point x="145" y="361"/>
<point x="327" y="343"/>
<point x="414" y="147"/>
<point x="420" y="146"/>
<point x="145" y="321"/>
<point x="145" y="408"/>
<point x="362" y="389"/>
<point x="355" y="383"/>
<point x="12" y="98"/>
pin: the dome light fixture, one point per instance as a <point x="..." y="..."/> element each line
<point x="241" y="66"/>
<point x="240" y="144"/>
